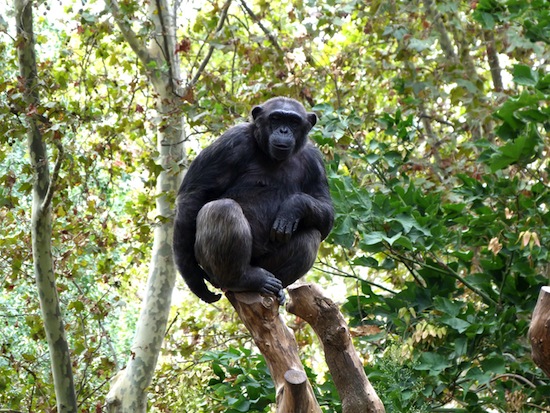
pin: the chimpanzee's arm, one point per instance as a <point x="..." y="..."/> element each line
<point x="188" y="205"/>
<point x="311" y="208"/>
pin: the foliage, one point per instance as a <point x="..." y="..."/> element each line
<point x="476" y="256"/>
<point x="434" y="121"/>
<point x="242" y="381"/>
<point x="95" y="256"/>
<point x="463" y="245"/>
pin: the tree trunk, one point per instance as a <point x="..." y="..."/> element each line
<point x="129" y="388"/>
<point x="260" y="315"/>
<point x="41" y="220"/>
<point x="358" y="396"/>
<point x="539" y="331"/>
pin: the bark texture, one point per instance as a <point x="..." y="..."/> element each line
<point x="539" y="331"/>
<point x="41" y="220"/>
<point x="128" y="391"/>
<point x="358" y="396"/>
<point x="260" y="315"/>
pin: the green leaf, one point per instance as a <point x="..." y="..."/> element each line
<point x="456" y="323"/>
<point x="241" y="404"/>
<point x="434" y="363"/>
<point x="479" y="377"/>
<point x="522" y="148"/>
<point x="508" y="113"/>
<point x="405" y="242"/>
<point x="525" y="76"/>
<point x="488" y="20"/>
<point x="372" y="158"/>
<point x="218" y="371"/>
<point x="373" y="238"/>
<point x="446" y="306"/>
<point x="366" y="262"/>
<point x="495" y="365"/>
<point x="78" y="306"/>
<point x="419" y="45"/>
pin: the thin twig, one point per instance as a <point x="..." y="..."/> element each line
<point x="516" y="377"/>
<point x="167" y="51"/>
<point x="201" y="68"/>
<point x="444" y="39"/>
<point x="448" y="270"/>
<point x="257" y="20"/>
<point x="340" y="273"/>
<point x="171" y="324"/>
<point x="55" y="176"/>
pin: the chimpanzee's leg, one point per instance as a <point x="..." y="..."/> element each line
<point x="290" y="261"/>
<point x="223" y="248"/>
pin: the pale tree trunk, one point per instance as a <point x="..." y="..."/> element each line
<point x="41" y="220"/>
<point x="129" y="389"/>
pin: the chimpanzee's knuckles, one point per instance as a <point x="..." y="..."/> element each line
<point x="274" y="234"/>
<point x="287" y="234"/>
<point x="283" y="228"/>
<point x="272" y="285"/>
<point x="281" y="297"/>
<point x="277" y="230"/>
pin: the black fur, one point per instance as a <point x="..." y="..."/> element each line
<point x="254" y="206"/>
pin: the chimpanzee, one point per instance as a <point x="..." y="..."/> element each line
<point x="254" y="206"/>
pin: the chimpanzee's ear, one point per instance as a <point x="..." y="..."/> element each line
<point x="256" y="111"/>
<point x="312" y="118"/>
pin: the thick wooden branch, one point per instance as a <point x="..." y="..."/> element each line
<point x="358" y="396"/>
<point x="260" y="315"/>
<point x="539" y="331"/>
<point x="41" y="216"/>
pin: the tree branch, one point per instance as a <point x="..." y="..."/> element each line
<point x="41" y="218"/>
<point x="539" y="334"/>
<point x="492" y="58"/>
<point x="458" y="277"/>
<point x="135" y="43"/>
<point x="257" y="20"/>
<point x="204" y="63"/>
<point x="260" y="315"/>
<point x="55" y="176"/>
<point x="168" y="46"/>
<point x="308" y="301"/>
<point x="444" y="39"/>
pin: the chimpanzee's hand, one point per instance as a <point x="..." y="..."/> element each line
<point x="281" y="297"/>
<point x="283" y="228"/>
<point x="209" y="297"/>
<point x="271" y="285"/>
<point x="274" y="286"/>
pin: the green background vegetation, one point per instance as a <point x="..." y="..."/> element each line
<point x="434" y="119"/>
